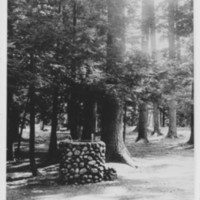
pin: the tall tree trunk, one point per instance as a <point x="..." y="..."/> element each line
<point x="32" y="131"/>
<point x="112" y="116"/>
<point x="171" y="32"/>
<point x="12" y="126"/>
<point x="156" y="119"/>
<point x="164" y="117"/>
<point x="124" y="121"/>
<point x="32" y="120"/>
<point x="89" y="118"/>
<point x="172" y="132"/>
<point x="152" y="28"/>
<point x="142" y="126"/>
<point x="112" y="131"/>
<point x="53" y="150"/>
<point x="145" y="27"/>
<point x="21" y="128"/>
<point x="191" y="140"/>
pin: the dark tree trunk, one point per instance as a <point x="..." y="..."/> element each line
<point x="12" y="126"/>
<point x="164" y="117"/>
<point x="191" y="140"/>
<point x="156" y="119"/>
<point x="112" y="131"/>
<point x="42" y="125"/>
<point x="73" y="117"/>
<point x="89" y="118"/>
<point x="53" y="150"/>
<point x="142" y="125"/>
<point x="124" y="121"/>
<point x="172" y="133"/>
<point x="112" y="116"/>
<point x="32" y="131"/>
<point x="21" y="128"/>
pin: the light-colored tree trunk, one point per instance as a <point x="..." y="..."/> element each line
<point x="172" y="132"/>
<point x="143" y="120"/>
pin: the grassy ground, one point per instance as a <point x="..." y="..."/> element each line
<point x="164" y="171"/>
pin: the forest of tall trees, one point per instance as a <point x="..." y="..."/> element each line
<point x="102" y="66"/>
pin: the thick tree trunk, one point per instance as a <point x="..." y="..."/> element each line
<point x="89" y="118"/>
<point x="112" y="131"/>
<point x="156" y="119"/>
<point x="32" y="131"/>
<point x="172" y="133"/>
<point x="53" y="150"/>
<point x="142" y="125"/>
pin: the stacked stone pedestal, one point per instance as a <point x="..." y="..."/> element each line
<point x="83" y="162"/>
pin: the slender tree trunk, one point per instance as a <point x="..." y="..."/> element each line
<point x="164" y="117"/>
<point x="32" y="121"/>
<point x="145" y="27"/>
<point x="156" y="119"/>
<point x="32" y="131"/>
<point x="89" y="118"/>
<point x="171" y="32"/>
<point x="12" y="126"/>
<point x="172" y="133"/>
<point x="152" y="28"/>
<point x="10" y="152"/>
<point x="53" y="150"/>
<point x="124" y="121"/>
<point x="142" y="126"/>
<point x="21" y="129"/>
<point x="112" y="131"/>
<point x="191" y="140"/>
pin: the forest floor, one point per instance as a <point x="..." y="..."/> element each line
<point x="164" y="171"/>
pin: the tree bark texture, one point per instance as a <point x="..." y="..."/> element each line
<point x="112" y="131"/>
<point x="142" y="125"/>
<point x="172" y="133"/>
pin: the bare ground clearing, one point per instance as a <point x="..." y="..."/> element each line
<point x="165" y="171"/>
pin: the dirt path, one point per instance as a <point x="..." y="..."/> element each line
<point x="165" y="172"/>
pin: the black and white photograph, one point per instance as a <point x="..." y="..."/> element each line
<point x="100" y="100"/>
